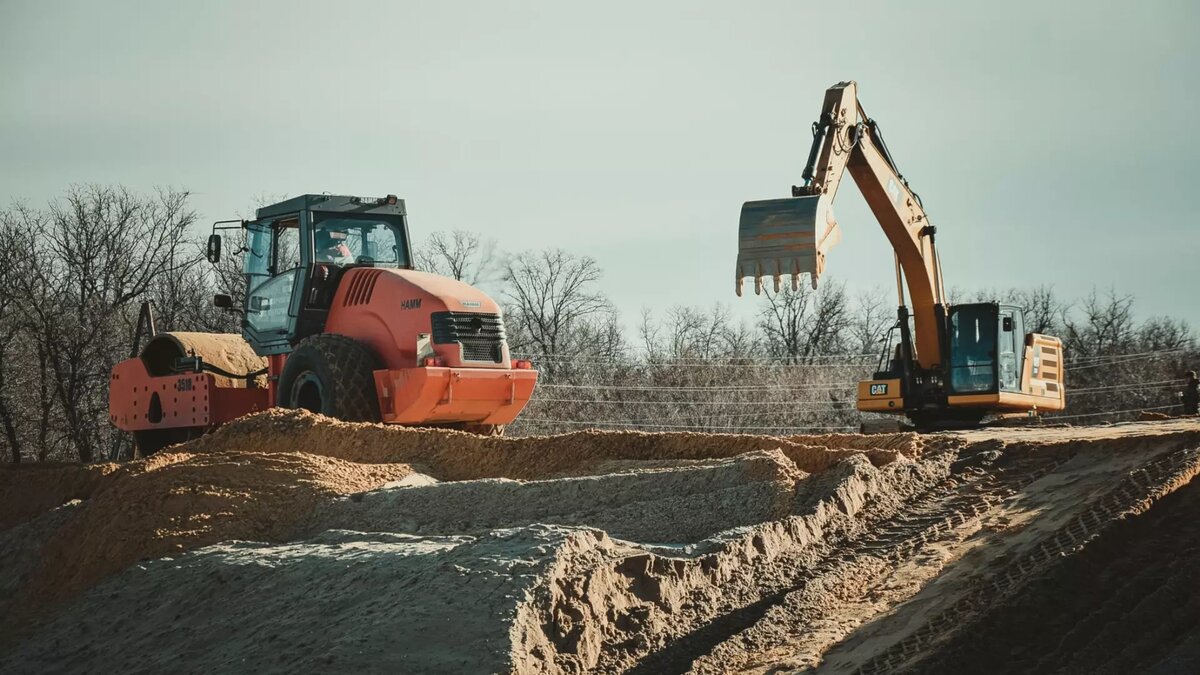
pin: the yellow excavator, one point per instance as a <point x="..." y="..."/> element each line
<point x="944" y="366"/>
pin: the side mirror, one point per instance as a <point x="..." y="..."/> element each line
<point x="223" y="301"/>
<point x="213" y="253"/>
<point x="1007" y="324"/>
<point x="259" y="303"/>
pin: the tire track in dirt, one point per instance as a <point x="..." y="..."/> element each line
<point x="978" y="485"/>
<point x="1037" y="575"/>
<point x="1008" y="574"/>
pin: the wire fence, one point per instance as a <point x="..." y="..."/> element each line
<point x="782" y="396"/>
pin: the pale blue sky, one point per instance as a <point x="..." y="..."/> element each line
<point x="1052" y="142"/>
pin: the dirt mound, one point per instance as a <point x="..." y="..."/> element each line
<point x="179" y="501"/>
<point x="342" y="602"/>
<point x="263" y="478"/>
<point x="452" y="455"/>
<point x="29" y="490"/>
<point x="536" y="598"/>
<point x="675" y="505"/>
<point x="288" y="542"/>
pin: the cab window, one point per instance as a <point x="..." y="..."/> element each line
<point x="360" y="240"/>
<point x="287" y="246"/>
<point x="973" y="349"/>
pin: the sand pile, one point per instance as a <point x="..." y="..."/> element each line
<point x="451" y="455"/>
<point x="677" y="505"/>
<point x="291" y="542"/>
<point x="534" y="598"/>
<point x="341" y="602"/>
<point x="179" y="501"/>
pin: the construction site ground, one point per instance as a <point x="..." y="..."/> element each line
<point x="290" y="542"/>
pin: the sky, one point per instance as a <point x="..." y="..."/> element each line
<point x="1051" y="142"/>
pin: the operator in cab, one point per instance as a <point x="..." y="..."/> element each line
<point x="330" y="247"/>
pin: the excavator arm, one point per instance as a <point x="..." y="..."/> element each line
<point x="957" y="364"/>
<point x="792" y="236"/>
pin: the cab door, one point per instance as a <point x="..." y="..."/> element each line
<point x="1008" y="348"/>
<point x="274" y="269"/>
<point x="972" y="337"/>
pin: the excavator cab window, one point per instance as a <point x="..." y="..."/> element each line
<point x="1010" y="352"/>
<point x="973" y="340"/>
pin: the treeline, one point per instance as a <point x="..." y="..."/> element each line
<point x="77" y="269"/>
<point x="75" y="272"/>
<point x="792" y="368"/>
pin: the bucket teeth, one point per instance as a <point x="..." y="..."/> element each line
<point x="784" y="236"/>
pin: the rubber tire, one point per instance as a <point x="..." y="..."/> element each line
<point x="150" y="441"/>
<point x="336" y="378"/>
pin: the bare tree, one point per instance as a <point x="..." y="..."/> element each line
<point x="1163" y="333"/>
<point x="691" y="333"/>
<point x="11" y="232"/>
<point x="183" y="295"/>
<point x="460" y="255"/>
<point x="870" y="318"/>
<point x="1105" y="325"/>
<point x="1043" y="310"/>
<point x="554" y="307"/>
<point x="803" y="323"/>
<point x="103" y="249"/>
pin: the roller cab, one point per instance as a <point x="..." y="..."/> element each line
<point x="354" y="332"/>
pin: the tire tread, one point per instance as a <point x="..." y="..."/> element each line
<point x="351" y="365"/>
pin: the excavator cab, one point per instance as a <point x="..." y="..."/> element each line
<point x="986" y="354"/>
<point x="990" y="364"/>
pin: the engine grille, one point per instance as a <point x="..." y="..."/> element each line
<point x="480" y="335"/>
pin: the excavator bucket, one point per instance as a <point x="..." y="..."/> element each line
<point x="785" y="236"/>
